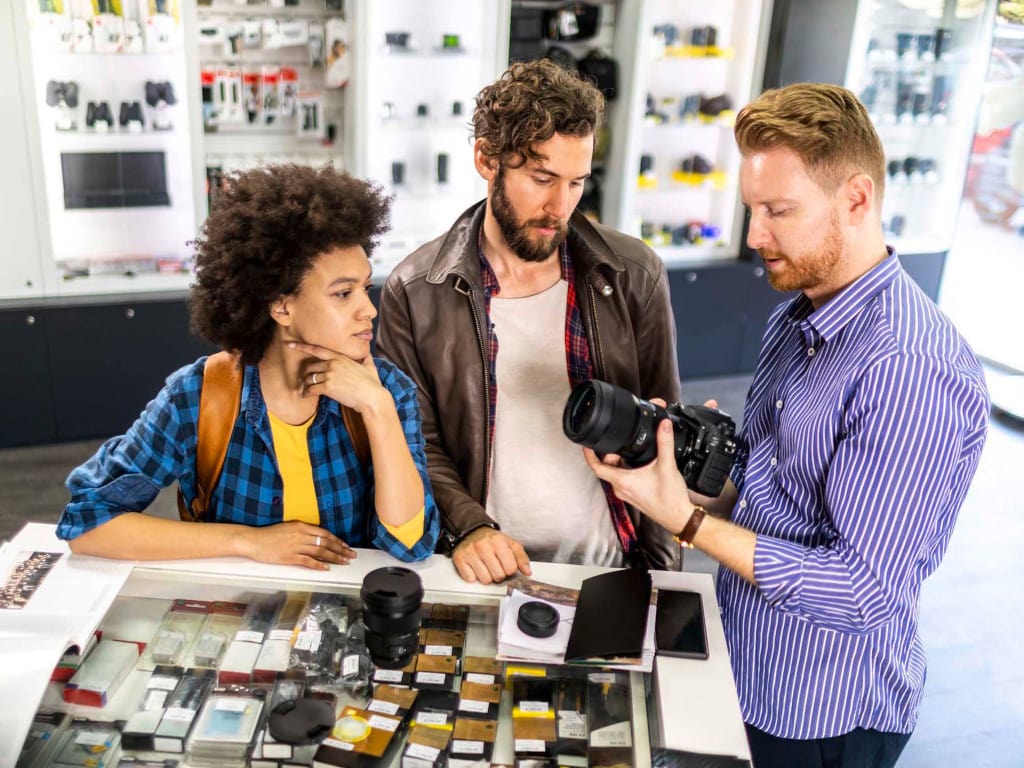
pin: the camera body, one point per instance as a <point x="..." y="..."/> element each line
<point x="610" y="419"/>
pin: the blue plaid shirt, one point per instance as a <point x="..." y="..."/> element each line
<point x="127" y="472"/>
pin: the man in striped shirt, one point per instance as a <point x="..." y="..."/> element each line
<point x="863" y="428"/>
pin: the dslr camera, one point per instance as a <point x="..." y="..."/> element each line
<point x="609" y="419"/>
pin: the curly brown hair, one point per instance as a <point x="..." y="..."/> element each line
<point x="262" y="236"/>
<point x="824" y="124"/>
<point x="528" y="104"/>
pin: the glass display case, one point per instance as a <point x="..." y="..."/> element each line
<point x="919" y="70"/>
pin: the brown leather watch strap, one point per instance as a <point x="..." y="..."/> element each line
<point x="685" y="536"/>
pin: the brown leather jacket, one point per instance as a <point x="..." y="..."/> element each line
<point x="432" y="327"/>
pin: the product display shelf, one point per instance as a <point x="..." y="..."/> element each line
<point x="918" y="71"/>
<point x="675" y="171"/>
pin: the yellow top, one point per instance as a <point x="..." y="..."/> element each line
<point x="293" y="461"/>
<point x="292" y="449"/>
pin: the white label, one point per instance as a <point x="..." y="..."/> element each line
<point x="308" y="640"/>
<point x="478" y="677"/>
<point x="388" y="675"/>
<point x="571" y="725"/>
<point x="472" y="705"/>
<point x="529" y="745"/>
<point x="422" y="751"/>
<point x="162" y="682"/>
<point x="617" y="735"/>
<point x="249" y="636"/>
<point x="432" y="678"/>
<point x="350" y="665"/>
<point x="432" y="718"/>
<point x="464" y="747"/>
<point x="93" y="738"/>
<point x="339" y="744"/>
<point x="155" y="699"/>
<point x="232" y="705"/>
<point x="281" y="634"/>
<point x="385" y="707"/>
<point x="383" y="723"/>
<point x="601" y="677"/>
<point x="534" y="707"/>
<point x="179" y="713"/>
<point x="438" y="650"/>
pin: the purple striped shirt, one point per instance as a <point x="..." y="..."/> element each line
<point x="864" y="425"/>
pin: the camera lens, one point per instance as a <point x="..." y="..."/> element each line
<point x="610" y="419"/>
<point x="391" y="611"/>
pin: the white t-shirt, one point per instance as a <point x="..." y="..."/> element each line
<point x="542" y="493"/>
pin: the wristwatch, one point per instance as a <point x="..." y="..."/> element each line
<point x="685" y="536"/>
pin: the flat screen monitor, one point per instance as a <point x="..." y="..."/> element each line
<point x="114" y="179"/>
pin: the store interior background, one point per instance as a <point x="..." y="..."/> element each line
<point x="973" y="713"/>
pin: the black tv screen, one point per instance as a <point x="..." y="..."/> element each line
<point x="114" y="179"/>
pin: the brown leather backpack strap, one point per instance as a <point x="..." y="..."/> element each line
<point x="219" y="402"/>
<point x="357" y="431"/>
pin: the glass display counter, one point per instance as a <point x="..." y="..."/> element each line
<point x="686" y="704"/>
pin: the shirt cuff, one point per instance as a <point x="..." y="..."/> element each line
<point x="778" y="567"/>
<point x="409" y="532"/>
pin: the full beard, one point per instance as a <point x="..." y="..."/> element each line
<point x="810" y="269"/>
<point x="517" y="236"/>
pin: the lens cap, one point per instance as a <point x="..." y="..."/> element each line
<point x="301" y="721"/>
<point x="537" y="619"/>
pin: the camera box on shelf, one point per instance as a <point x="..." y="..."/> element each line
<point x="181" y="709"/>
<point x="472" y="741"/>
<point x="177" y="631"/>
<point x="102" y="673"/>
<point x="226" y="726"/>
<point x="141" y="727"/>
<point x="240" y="658"/>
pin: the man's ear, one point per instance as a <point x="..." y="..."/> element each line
<point x="486" y="165"/>
<point x="279" y="311"/>
<point x="859" y="194"/>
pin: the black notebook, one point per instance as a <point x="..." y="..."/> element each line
<point x="611" y="616"/>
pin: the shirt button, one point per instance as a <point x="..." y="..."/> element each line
<point x="743" y="504"/>
<point x="276" y="500"/>
<point x="778" y="405"/>
<point x="810" y="351"/>
<point x="774" y="461"/>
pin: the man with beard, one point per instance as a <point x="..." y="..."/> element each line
<point x="862" y="429"/>
<point x="498" y="318"/>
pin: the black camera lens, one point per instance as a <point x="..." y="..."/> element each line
<point x="391" y="612"/>
<point x="609" y="419"/>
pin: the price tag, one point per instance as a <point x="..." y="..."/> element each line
<point x="249" y="636"/>
<point x="384" y="707"/>
<point x="571" y="725"/>
<point x="308" y="640"/>
<point x="534" y="707"/>
<point x="529" y="745"/>
<point x="601" y="677"/>
<point x="472" y="705"/>
<point x="383" y="723"/>
<point x="339" y="744"/>
<point x="163" y="682"/>
<point x="438" y="650"/>
<point x="388" y="675"/>
<point x="93" y="738"/>
<point x="430" y="678"/>
<point x="478" y="677"/>
<point x="432" y="718"/>
<point x="464" y="747"/>
<point x="617" y="735"/>
<point x="231" y="705"/>
<point x="281" y="634"/>
<point x="350" y="665"/>
<point x="422" y="751"/>
<point x="180" y="714"/>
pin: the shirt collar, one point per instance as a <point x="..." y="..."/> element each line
<point x="826" y="321"/>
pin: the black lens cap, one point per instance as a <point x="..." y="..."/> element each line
<point x="537" y="619"/>
<point x="302" y="721"/>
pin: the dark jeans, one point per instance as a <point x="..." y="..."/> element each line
<point x="857" y="749"/>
